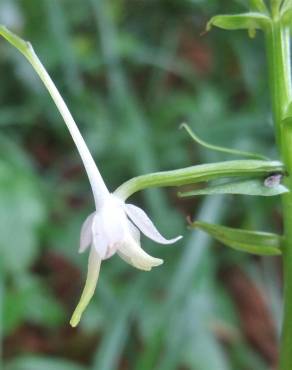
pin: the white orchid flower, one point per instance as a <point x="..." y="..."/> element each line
<point x="113" y="227"/>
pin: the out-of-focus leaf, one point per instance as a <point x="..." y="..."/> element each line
<point x="255" y="242"/>
<point x="287" y="17"/>
<point x="249" y="21"/>
<point x="109" y="352"/>
<point x="258" y="5"/>
<point x="247" y="187"/>
<point x="41" y="363"/>
<point x="30" y="301"/>
<point x="22" y="212"/>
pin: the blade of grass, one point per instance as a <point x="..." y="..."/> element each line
<point x="212" y="209"/>
<point x="114" y="340"/>
<point x="59" y="29"/>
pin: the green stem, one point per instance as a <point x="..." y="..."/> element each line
<point x="278" y="53"/>
<point x="221" y="149"/>
<point x="199" y="173"/>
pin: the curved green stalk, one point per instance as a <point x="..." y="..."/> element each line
<point x="202" y="172"/>
<point x="222" y="149"/>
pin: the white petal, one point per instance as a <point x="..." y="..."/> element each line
<point x="89" y="288"/>
<point x="134" y="231"/>
<point x="132" y="253"/>
<point x="113" y="222"/>
<point x="86" y="233"/>
<point x="143" y="222"/>
<point x="100" y="241"/>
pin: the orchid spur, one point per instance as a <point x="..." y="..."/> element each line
<point x="114" y="226"/>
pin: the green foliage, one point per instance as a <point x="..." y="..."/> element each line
<point x="246" y="21"/>
<point x="255" y="242"/>
<point x="41" y="363"/>
<point x="247" y="187"/>
<point x="204" y="172"/>
<point x="131" y="73"/>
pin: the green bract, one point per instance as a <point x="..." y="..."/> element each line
<point x="258" y="5"/>
<point x="255" y="242"/>
<point x="247" y="187"/>
<point x="246" y="21"/>
<point x="286" y="6"/>
<point x="287" y="17"/>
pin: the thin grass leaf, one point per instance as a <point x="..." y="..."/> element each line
<point x="180" y="286"/>
<point x="41" y="363"/>
<point x="110" y="349"/>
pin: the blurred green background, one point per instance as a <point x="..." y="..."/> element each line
<point x="131" y="72"/>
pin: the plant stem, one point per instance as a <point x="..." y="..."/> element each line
<point x="199" y="173"/>
<point x="278" y="53"/>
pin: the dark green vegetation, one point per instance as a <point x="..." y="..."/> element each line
<point x="131" y="72"/>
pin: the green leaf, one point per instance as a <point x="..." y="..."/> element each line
<point x="30" y="301"/>
<point x="246" y="21"/>
<point x="247" y="187"/>
<point x="287" y="4"/>
<point x="22" y="213"/>
<point x="41" y="363"/>
<point x="286" y="16"/>
<point x="255" y="242"/>
<point x="258" y="5"/>
<point x="287" y="119"/>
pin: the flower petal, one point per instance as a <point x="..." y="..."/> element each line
<point x="131" y="252"/>
<point x="143" y="222"/>
<point x="113" y="223"/>
<point x="86" y="233"/>
<point x="100" y="241"/>
<point x="89" y="288"/>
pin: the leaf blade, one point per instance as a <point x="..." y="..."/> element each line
<point x="254" y="242"/>
<point x="255" y="187"/>
<point x="244" y="21"/>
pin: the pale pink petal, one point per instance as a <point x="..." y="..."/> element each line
<point x="100" y="241"/>
<point x="113" y="222"/>
<point x="86" y="233"/>
<point x="143" y="222"/>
